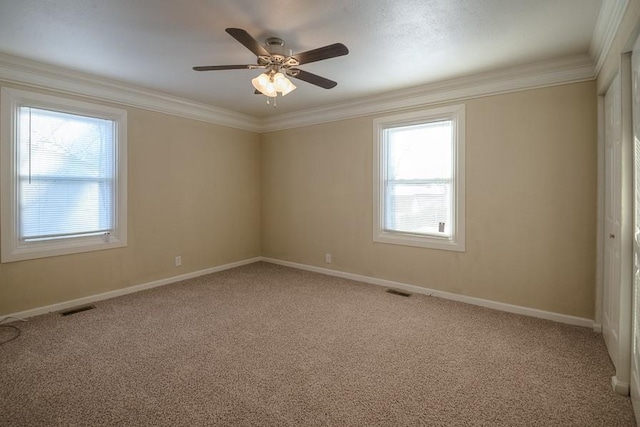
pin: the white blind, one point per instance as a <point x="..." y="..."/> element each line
<point x="418" y="178"/>
<point x="66" y="175"/>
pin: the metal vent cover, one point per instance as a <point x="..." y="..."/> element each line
<point x="77" y="310"/>
<point x="397" y="292"/>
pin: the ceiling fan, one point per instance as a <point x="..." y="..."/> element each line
<point x="278" y="64"/>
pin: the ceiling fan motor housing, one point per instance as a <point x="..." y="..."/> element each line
<point x="277" y="58"/>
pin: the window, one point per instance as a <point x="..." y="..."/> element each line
<point x="419" y="179"/>
<point x="63" y="179"/>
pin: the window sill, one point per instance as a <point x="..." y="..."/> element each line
<point x="407" y="239"/>
<point x="49" y="249"/>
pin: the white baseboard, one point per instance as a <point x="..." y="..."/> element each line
<point x="128" y="290"/>
<point x="562" y="318"/>
<point x="557" y="317"/>
<point x="597" y="328"/>
<point x="620" y="387"/>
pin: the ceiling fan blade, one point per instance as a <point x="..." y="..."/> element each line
<point x="326" y="52"/>
<point x="224" y="67"/>
<point x="308" y="77"/>
<point x="247" y="41"/>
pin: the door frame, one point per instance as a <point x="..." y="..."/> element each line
<point x="634" y="379"/>
<point x="620" y="381"/>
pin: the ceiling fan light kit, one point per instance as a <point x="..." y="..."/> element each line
<point x="278" y="65"/>
<point x="272" y="83"/>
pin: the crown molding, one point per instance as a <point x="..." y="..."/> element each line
<point x="542" y="74"/>
<point x="609" y="19"/>
<point x="549" y="73"/>
<point x="26" y="72"/>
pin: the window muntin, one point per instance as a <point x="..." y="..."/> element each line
<point x="64" y="176"/>
<point x="419" y="179"/>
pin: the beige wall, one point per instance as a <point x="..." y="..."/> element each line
<point x="531" y="202"/>
<point x="216" y="195"/>
<point x="194" y="190"/>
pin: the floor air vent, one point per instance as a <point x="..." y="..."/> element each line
<point x="77" y="310"/>
<point x="397" y="292"/>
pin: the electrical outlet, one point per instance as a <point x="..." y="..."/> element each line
<point x="178" y="261"/>
<point x="327" y="258"/>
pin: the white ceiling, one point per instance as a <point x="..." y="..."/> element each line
<point x="393" y="44"/>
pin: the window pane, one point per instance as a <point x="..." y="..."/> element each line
<point x="59" y="208"/>
<point x="418" y="181"/>
<point x="66" y="174"/>
<point x="419" y="208"/>
<point x="420" y="151"/>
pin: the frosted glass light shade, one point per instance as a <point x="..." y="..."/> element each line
<point x="283" y="84"/>
<point x="264" y="85"/>
<point x="289" y="88"/>
<point x="270" y="86"/>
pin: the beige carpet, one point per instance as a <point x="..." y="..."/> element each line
<point x="269" y="345"/>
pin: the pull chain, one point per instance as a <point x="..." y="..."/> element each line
<point x="274" y="101"/>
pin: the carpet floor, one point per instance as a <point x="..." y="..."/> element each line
<point x="269" y="345"/>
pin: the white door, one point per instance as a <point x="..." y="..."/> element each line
<point x="613" y="218"/>
<point x="635" y="347"/>
<point x="618" y="223"/>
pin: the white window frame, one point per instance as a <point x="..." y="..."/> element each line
<point x="455" y="113"/>
<point x="12" y="249"/>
